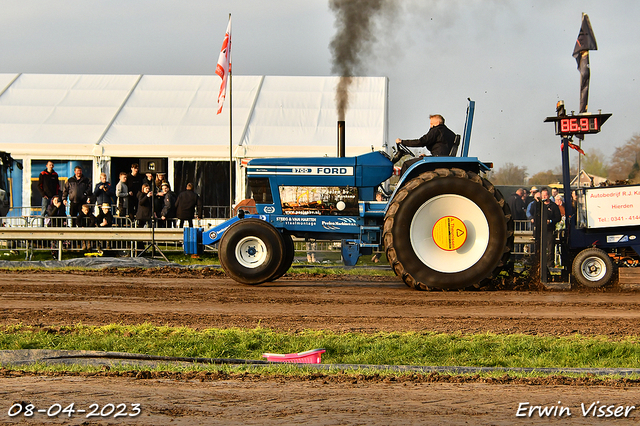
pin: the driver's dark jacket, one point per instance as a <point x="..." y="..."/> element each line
<point x="438" y="140"/>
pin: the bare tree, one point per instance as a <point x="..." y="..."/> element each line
<point x="509" y="174"/>
<point x="545" y="178"/>
<point x="624" y="158"/>
<point x="594" y="162"/>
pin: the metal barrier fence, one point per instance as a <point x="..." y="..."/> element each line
<point x="523" y="239"/>
<point x="58" y="239"/>
<point x="31" y="233"/>
<point x="215" y="212"/>
<point x="37" y="233"/>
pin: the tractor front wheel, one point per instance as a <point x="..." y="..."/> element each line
<point x="251" y="251"/>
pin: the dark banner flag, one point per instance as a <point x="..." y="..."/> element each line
<point x="586" y="42"/>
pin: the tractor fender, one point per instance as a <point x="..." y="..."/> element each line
<point x="429" y="164"/>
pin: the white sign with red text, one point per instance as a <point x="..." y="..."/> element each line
<point x="615" y="206"/>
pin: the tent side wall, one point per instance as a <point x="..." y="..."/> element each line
<point x="97" y="118"/>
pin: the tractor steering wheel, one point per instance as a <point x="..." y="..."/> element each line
<point x="405" y="151"/>
<point x="401" y="151"/>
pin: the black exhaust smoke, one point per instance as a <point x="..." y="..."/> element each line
<point x="352" y="43"/>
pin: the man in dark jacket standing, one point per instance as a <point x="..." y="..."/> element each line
<point x="438" y="140"/>
<point x="553" y="217"/>
<point x="78" y="190"/>
<point x="186" y="206"/>
<point x="134" y="183"/>
<point x="168" y="211"/>
<point x="516" y="204"/>
<point x="48" y="185"/>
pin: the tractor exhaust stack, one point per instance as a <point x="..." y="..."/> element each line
<point x="341" y="138"/>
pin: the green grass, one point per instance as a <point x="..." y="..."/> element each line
<point x="430" y="349"/>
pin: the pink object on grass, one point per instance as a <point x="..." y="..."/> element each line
<point x="307" y="357"/>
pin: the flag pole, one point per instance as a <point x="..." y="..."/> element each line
<point x="230" y="133"/>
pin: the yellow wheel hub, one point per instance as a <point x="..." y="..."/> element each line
<point x="449" y="233"/>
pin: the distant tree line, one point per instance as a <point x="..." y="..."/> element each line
<point x="622" y="166"/>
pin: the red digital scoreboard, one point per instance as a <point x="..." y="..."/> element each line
<point x="569" y="125"/>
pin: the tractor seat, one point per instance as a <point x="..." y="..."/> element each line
<point x="454" y="148"/>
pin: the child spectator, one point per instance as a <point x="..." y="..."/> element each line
<point x="104" y="191"/>
<point x="123" y="194"/>
<point x="105" y="220"/>
<point x="86" y="219"/>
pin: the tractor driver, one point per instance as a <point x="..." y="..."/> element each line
<point x="438" y="140"/>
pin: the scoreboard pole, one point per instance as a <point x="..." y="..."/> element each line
<point x="566" y="178"/>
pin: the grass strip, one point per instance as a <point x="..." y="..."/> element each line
<point x="411" y="348"/>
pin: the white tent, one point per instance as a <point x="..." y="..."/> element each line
<point x="96" y="117"/>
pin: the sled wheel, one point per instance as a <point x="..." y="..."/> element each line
<point x="592" y="267"/>
<point x="251" y="251"/>
<point x="287" y="259"/>
<point x="447" y="229"/>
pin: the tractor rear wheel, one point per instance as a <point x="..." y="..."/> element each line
<point x="251" y="251"/>
<point x="592" y="267"/>
<point x="448" y="229"/>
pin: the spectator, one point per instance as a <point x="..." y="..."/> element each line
<point x="531" y="206"/>
<point x="56" y="217"/>
<point x="149" y="179"/>
<point x="532" y="193"/>
<point x="311" y="247"/>
<point x="78" y="190"/>
<point x="105" y="220"/>
<point x="560" y="204"/>
<point x="516" y="204"/>
<point x="104" y="191"/>
<point x="552" y="218"/>
<point x="134" y="183"/>
<point x="48" y="186"/>
<point x="186" y="205"/>
<point x="123" y="194"/>
<point x="160" y="178"/>
<point x="105" y="217"/>
<point x="554" y="194"/>
<point x="56" y="212"/>
<point x="143" y="213"/>
<point x="168" y="211"/>
<point x="86" y="219"/>
<point x="159" y="196"/>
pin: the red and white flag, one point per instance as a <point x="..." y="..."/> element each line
<point x="224" y="66"/>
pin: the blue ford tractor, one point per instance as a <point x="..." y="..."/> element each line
<point x="444" y="226"/>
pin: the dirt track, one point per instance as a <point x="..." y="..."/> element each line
<point x="198" y="299"/>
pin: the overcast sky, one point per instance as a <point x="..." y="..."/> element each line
<point x="512" y="57"/>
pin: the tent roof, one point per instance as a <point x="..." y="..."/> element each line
<point x="175" y="116"/>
